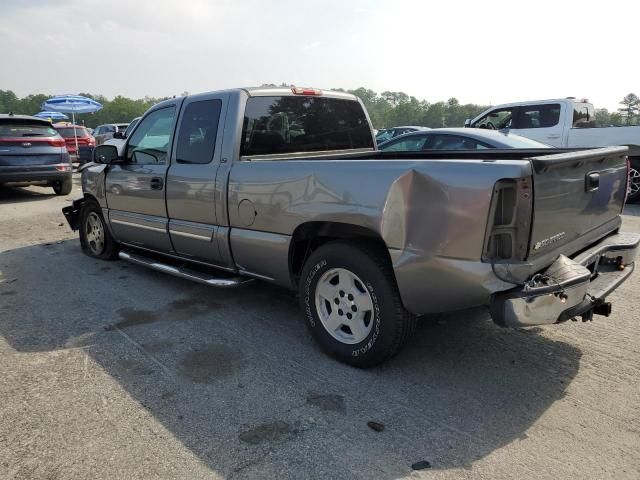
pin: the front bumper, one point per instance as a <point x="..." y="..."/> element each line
<point x="72" y="213"/>
<point x="569" y="287"/>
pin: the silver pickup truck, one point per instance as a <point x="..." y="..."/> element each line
<point x="286" y="186"/>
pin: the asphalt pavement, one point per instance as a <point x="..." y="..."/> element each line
<point x="109" y="370"/>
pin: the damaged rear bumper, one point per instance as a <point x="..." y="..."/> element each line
<point x="569" y="288"/>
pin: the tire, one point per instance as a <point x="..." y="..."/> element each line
<point x="63" y="187"/>
<point x="634" y="180"/>
<point x="95" y="239"/>
<point x="351" y="304"/>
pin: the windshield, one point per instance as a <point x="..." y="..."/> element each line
<point x="67" y="132"/>
<point x="131" y="126"/>
<point x="8" y="130"/>
<point x="384" y="136"/>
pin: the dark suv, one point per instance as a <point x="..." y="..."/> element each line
<point x="32" y="152"/>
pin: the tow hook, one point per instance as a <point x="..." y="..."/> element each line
<point x="603" y="309"/>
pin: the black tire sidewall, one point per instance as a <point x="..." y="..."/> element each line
<point x="109" y="244"/>
<point x="380" y="340"/>
<point x="63" y="186"/>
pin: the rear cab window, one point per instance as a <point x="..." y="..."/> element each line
<point x="584" y="115"/>
<point x="301" y="124"/>
<point x="68" y="132"/>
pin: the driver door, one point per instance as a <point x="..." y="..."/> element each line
<point x="135" y="188"/>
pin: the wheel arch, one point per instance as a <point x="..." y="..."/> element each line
<point x="310" y="236"/>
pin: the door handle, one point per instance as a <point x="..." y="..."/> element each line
<point x="157" y="183"/>
<point x="592" y="182"/>
<point x="553" y="137"/>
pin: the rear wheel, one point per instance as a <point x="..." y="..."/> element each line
<point x="352" y="305"/>
<point x="95" y="238"/>
<point x="63" y="187"/>
<point x="634" y="181"/>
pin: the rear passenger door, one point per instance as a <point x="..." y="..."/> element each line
<point x="540" y="122"/>
<point x="191" y="179"/>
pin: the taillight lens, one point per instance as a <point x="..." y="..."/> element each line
<point x="509" y="222"/>
<point x="56" y="142"/>
<point x="628" y="185"/>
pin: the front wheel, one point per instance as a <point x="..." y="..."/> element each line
<point x="95" y="238"/>
<point x="352" y="305"/>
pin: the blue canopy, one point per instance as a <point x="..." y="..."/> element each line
<point x="71" y="104"/>
<point x="52" y="115"/>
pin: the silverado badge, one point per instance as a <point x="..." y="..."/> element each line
<point x="548" y="241"/>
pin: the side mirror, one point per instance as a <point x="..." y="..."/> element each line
<point x="119" y="135"/>
<point x="467" y="123"/>
<point x="105" y="154"/>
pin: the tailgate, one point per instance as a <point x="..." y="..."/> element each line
<point x="575" y="193"/>
<point x="28" y="153"/>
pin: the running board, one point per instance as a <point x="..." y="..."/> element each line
<point x="185" y="273"/>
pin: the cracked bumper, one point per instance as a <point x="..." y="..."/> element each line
<point x="570" y="287"/>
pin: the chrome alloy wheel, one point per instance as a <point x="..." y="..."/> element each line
<point x="344" y="306"/>
<point x="95" y="233"/>
<point x="634" y="182"/>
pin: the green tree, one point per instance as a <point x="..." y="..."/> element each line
<point x="630" y="107"/>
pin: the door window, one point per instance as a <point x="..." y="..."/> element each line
<point x="497" y="119"/>
<point x="198" y="131"/>
<point x="149" y="143"/>
<point x="538" y="116"/>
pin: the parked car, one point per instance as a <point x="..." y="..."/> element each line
<point x="104" y="132"/>
<point x="85" y="140"/>
<point x="286" y="186"/>
<point x="457" y="139"/>
<point x="32" y="152"/>
<point x="385" y="134"/>
<point x="119" y="137"/>
<point x="565" y="122"/>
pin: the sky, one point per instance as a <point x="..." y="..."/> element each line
<point x="484" y="52"/>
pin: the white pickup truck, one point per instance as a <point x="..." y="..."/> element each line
<point x="567" y="123"/>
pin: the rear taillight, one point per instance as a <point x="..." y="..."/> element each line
<point x="628" y="184"/>
<point x="509" y="222"/>
<point x="53" y="141"/>
<point x="56" y="142"/>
